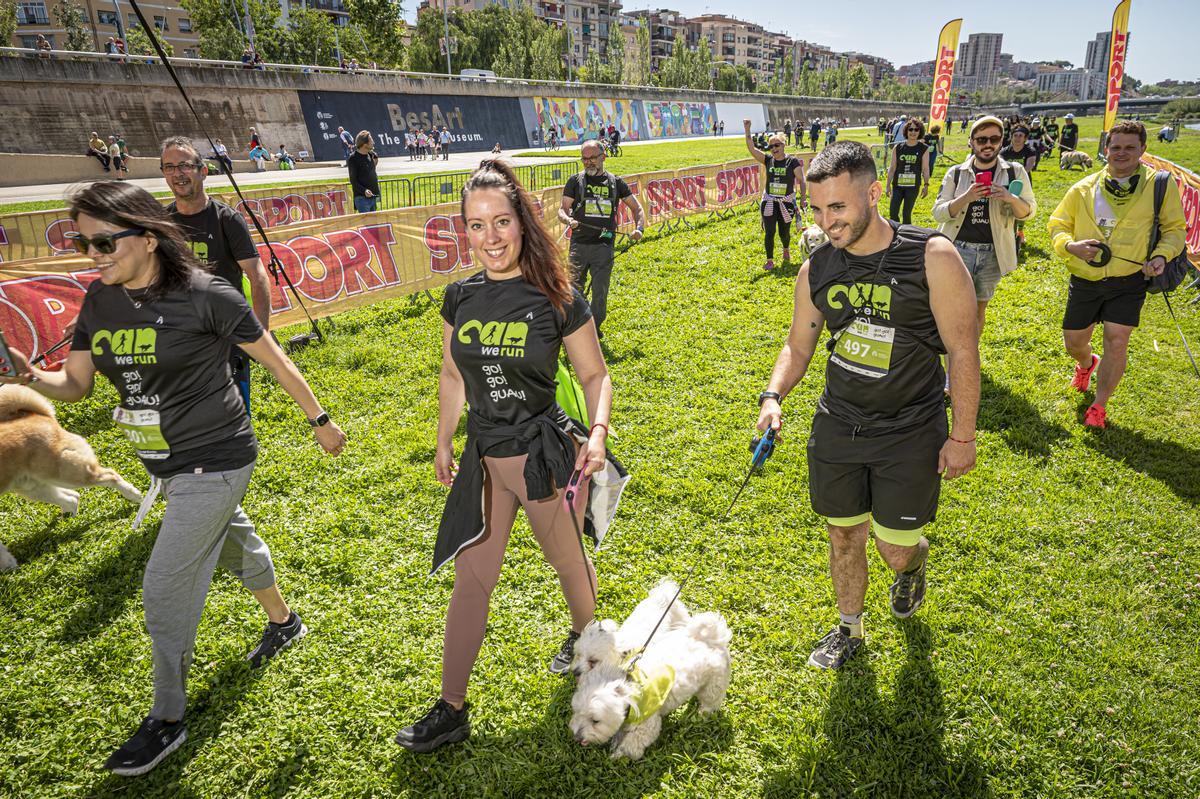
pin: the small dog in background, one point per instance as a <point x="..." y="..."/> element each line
<point x="1074" y="158"/>
<point x="603" y="642"/>
<point x="626" y="703"/>
<point x="811" y="238"/>
<point x="42" y="462"/>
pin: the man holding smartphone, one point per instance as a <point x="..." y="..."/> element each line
<point x="978" y="207"/>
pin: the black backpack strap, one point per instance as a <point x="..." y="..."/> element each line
<point x="1160" y="193"/>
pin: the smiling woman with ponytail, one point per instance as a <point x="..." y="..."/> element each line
<point x="504" y="327"/>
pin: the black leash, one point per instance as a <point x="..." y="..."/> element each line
<point x="276" y="265"/>
<point x="42" y="358"/>
<point x="762" y="447"/>
<point x="1183" y="338"/>
<point x="574" y="486"/>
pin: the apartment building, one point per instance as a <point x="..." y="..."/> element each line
<point x="1081" y="84"/>
<point x="1098" y="49"/>
<point x="105" y="19"/>
<point x="668" y="29"/>
<point x="732" y="41"/>
<point x="978" y="65"/>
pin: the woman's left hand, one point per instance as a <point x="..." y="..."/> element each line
<point x="591" y="455"/>
<point x="330" y="437"/>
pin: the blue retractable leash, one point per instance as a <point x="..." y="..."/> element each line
<point x="763" y="448"/>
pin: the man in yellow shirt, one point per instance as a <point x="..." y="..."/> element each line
<point x="1112" y="210"/>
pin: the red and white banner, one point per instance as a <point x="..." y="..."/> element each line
<point x="1188" y="183"/>
<point x="347" y="261"/>
<point x="1116" y="61"/>
<point x="943" y="73"/>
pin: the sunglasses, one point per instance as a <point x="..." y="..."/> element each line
<point x="776" y="146"/>
<point x="988" y="139"/>
<point x="105" y="243"/>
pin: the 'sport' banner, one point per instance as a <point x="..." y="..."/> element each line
<point x="347" y="261"/>
<point x="1188" y="183"/>
<point x="943" y="73"/>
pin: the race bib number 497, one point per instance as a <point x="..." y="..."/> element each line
<point x="865" y="348"/>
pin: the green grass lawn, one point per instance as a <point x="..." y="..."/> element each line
<point x="1055" y="656"/>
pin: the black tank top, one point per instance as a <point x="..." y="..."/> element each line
<point x="883" y="368"/>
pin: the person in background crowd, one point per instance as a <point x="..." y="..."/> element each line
<point x="219" y="238"/>
<point x="99" y="150"/>
<point x="124" y="151"/>
<point x="43" y="46"/>
<point x="255" y="141"/>
<point x="444" y="141"/>
<point x="963" y="125"/>
<point x="787" y="130"/>
<point x="721" y="127"/>
<point x="110" y="47"/>
<point x="814" y="133"/>
<point x="1166" y="134"/>
<point x="933" y="140"/>
<point x="247" y="59"/>
<point x="908" y="172"/>
<point x="831" y="133"/>
<point x="1070" y="135"/>
<point x="410" y="144"/>
<point x="346" y="139"/>
<point x="589" y="207"/>
<point x="363" y="179"/>
<point x="1020" y="151"/>
<point x="1112" y="208"/>
<point x="897" y="133"/>
<point x="258" y="61"/>
<point x="780" y="206"/>
<point x="285" y="159"/>
<point x="1051" y="135"/>
<point x="979" y="217"/>
<point x="521" y="446"/>
<point x="222" y="154"/>
<point x="496" y="148"/>
<point x="183" y="415"/>
<point x="260" y="156"/>
<point x="114" y="155"/>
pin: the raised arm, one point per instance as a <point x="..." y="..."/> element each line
<point x="755" y="153"/>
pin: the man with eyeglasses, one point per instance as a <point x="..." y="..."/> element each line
<point x="219" y="237"/>
<point x="589" y="208"/>
<point x="976" y="210"/>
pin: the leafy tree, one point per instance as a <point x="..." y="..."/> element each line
<point x="546" y="56"/>
<point x="220" y="35"/>
<point x="858" y="82"/>
<point x="73" y="21"/>
<point x="312" y="39"/>
<point x="381" y="24"/>
<point x="645" y="68"/>
<point x="514" y="58"/>
<point x="616" y="53"/>
<point x="8" y="19"/>
<point x="734" y="79"/>
<point x="686" y="69"/>
<point x="137" y="42"/>
<point x="425" y="53"/>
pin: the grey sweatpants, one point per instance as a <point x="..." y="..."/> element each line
<point x="203" y="526"/>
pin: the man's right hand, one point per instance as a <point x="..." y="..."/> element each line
<point x="771" y="415"/>
<point x="1084" y="250"/>
<point x="976" y="191"/>
<point x="746" y="125"/>
<point x="573" y="224"/>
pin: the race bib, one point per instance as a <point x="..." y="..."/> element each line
<point x="777" y="189"/>
<point x="598" y="207"/>
<point x="865" y="348"/>
<point x="143" y="429"/>
<point x="906" y="179"/>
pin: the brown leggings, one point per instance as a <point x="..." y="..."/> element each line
<point x="477" y="568"/>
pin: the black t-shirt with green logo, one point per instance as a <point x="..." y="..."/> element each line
<point x="908" y="165"/>
<point x="219" y="237"/>
<point x="977" y="221"/>
<point x="1052" y="130"/>
<point x="1070" y="135"/>
<point x="781" y="175"/>
<point x="883" y="369"/>
<point x="597" y="210"/>
<point x="169" y="361"/>
<point x="506" y="343"/>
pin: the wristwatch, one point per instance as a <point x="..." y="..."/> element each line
<point x="766" y="395"/>
<point x="320" y="421"/>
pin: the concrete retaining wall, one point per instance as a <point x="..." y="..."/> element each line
<point x="52" y="105"/>
<point x="37" y="170"/>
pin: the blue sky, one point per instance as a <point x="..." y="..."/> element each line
<point x="1165" y="41"/>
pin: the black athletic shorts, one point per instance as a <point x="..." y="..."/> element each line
<point x="891" y="475"/>
<point x="1114" y="299"/>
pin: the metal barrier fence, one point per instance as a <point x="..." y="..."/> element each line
<point x="435" y="189"/>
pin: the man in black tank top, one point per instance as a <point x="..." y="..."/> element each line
<point x="895" y="298"/>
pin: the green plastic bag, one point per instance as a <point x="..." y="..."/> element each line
<point x="569" y="395"/>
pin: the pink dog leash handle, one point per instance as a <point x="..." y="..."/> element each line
<point x="575" y="487"/>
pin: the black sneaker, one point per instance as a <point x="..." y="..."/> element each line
<point x="566" y="653"/>
<point x="441" y="725"/>
<point x="153" y="741"/>
<point x="275" y="638"/>
<point x="835" y="649"/>
<point x="908" y="592"/>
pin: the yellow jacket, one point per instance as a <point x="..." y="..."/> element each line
<point x="1075" y="220"/>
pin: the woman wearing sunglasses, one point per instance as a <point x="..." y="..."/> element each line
<point x="779" y="204"/>
<point x="908" y="172"/>
<point x="160" y="330"/>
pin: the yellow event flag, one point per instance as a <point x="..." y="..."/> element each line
<point x="1116" y="61"/>
<point x="943" y="72"/>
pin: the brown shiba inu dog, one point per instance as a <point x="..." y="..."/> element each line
<point x="41" y="461"/>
